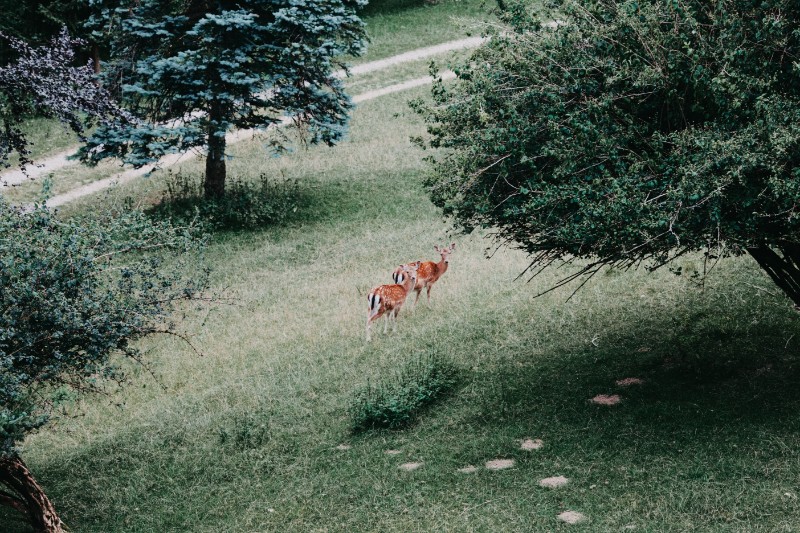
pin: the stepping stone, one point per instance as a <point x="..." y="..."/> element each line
<point x="627" y="382"/>
<point x="499" y="464"/>
<point x="408" y="467"/>
<point x="606" y="399"/>
<point x="572" y="517"/>
<point x="531" y="444"/>
<point x="343" y="447"/>
<point x="392" y="452"/>
<point x="553" y="482"/>
<point x="468" y="469"/>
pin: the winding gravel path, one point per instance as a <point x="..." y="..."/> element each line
<point x="61" y="160"/>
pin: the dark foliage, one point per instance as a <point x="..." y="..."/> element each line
<point x="630" y="132"/>
<point x="245" y="205"/>
<point x="44" y="82"/>
<point x="396" y="400"/>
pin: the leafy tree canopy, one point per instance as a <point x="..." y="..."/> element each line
<point x="195" y="69"/>
<point x="622" y="132"/>
<point x="44" y="81"/>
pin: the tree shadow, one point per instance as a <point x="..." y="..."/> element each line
<point x="703" y="384"/>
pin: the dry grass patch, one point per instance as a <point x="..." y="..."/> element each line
<point x="409" y="467"/>
<point x="606" y="399"/>
<point x="572" y="517"/>
<point x="627" y="382"/>
<point x="531" y="444"/>
<point x="499" y="464"/>
<point x="553" y="482"/>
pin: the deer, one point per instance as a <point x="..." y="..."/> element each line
<point x="387" y="300"/>
<point x="428" y="272"/>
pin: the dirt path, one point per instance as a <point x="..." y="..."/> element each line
<point x="230" y="138"/>
<point x="60" y="160"/>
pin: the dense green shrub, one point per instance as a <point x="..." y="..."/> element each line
<point x="623" y="132"/>
<point x="245" y="205"/>
<point x="74" y="294"/>
<point x="397" y="399"/>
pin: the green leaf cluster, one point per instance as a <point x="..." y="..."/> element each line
<point x="75" y="292"/>
<point x="626" y="131"/>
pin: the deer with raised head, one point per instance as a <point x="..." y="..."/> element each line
<point x="386" y="300"/>
<point x="428" y="272"/>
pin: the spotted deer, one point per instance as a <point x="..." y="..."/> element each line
<point x="386" y="300"/>
<point x="428" y="272"/>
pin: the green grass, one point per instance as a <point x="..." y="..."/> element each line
<point x="244" y="438"/>
<point x="396" y="26"/>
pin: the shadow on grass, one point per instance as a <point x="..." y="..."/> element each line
<point x="718" y="391"/>
<point x="706" y="383"/>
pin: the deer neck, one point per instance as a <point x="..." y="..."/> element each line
<point x="441" y="266"/>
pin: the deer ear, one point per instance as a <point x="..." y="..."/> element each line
<point x="436" y="247"/>
<point x="452" y="246"/>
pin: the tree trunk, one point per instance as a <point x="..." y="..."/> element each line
<point x="26" y="496"/>
<point x="783" y="269"/>
<point x="96" y="58"/>
<point x="214" y="185"/>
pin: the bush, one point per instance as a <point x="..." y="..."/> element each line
<point x="396" y="401"/>
<point x="245" y="205"/>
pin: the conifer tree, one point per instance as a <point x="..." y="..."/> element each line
<point x="194" y="70"/>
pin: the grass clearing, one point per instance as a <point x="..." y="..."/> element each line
<point x="245" y="437"/>
<point x="396" y="26"/>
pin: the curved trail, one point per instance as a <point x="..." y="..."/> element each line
<point x="61" y="159"/>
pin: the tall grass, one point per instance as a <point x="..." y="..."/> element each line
<point x="245" y="437"/>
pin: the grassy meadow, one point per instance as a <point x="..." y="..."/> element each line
<point x="254" y="434"/>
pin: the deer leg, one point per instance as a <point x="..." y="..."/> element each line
<point x="418" y="291"/>
<point x="429" y="294"/>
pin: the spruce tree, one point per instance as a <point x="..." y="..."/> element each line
<point x="193" y="70"/>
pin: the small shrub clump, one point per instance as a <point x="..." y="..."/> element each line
<point x="245" y="431"/>
<point x="245" y="205"/>
<point x="396" y="401"/>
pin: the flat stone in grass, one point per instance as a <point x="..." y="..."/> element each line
<point x="499" y="464"/>
<point x="627" y="382"/>
<point x="531" y="444"/>
<point x="468" y="469"/>
<point x="606" y="399"/>
<point x="572" y="517"/>
<point x="343" y="447"/>
<point x="553" y="482"/>
<point x="392" y="452"/>
<point x="408" y="467"/>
